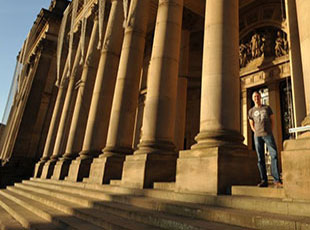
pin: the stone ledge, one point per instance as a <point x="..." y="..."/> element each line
<point x="258" y="192"/>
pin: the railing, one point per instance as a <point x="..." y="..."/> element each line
<point x="299" y="129"/>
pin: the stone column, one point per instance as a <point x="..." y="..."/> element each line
<point x="59" y="143"/>
<point x="296" y="154"/>
<point x="155" y="159"/>
<point x="52" y="131"/>
<point x="180" y="120"/>
<point x="295" y="63"/>
<point x="303" y="16"/>
<point x="219" y="159"/>
<point x="81" y="108"/>
<point x="120" y="132"/>
<point x="100" y="106"/>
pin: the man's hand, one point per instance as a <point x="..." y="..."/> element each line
<point x="252" y="125"/>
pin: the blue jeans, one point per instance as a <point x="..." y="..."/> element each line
<point x="272" y="148"/>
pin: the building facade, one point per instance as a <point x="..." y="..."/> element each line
<point x="158" y="91"/>
<point x="30" y="104"/>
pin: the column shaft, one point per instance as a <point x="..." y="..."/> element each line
<point x="220" y="69"/>
<point x="100" y="107"/>
<point x="160" y="106"/>
<point x="125" y="100"/>
<point x="81" y="108"/>
<point x="99" y="114"/>
<point x="303" y="8"/>
<point x="109" y="166"/>
<point x="296" y="154"/>
<point x="295" y="63"/>
<point x="82" y="105"/>
<point x="219" y="159"/>
<point x="52" y="131"/>
<point x="63" y="123"/>
<point x="65" y="119"/>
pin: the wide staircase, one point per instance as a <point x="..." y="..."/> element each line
<point x="50" y="204"/>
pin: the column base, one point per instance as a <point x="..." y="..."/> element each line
<point x="48" y="169"/>
<point x="61" y="169"/>
<point x="106" y="168"/>
<point x="219" y="138"/>
<point x="79" y="169"/>
<point x="142" y="170"/>
<point x="38" y="169"/>
<point x="295" y="168"/>
<point x="155" y="147"/>
<point x="214" y="170"/>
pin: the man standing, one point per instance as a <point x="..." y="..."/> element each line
<point x="261" y="121"/>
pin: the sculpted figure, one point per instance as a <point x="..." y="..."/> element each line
<point x="243" y="55"/>
<point x="256" y="45"/>
<point x="281" y="47"/>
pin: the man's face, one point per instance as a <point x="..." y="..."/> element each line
<point x="257" y="98"/>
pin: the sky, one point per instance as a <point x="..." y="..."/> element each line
<point x="16" y="19"/>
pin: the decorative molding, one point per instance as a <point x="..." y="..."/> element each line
<point x="271" y="73"/>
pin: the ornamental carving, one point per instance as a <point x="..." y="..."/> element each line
<point x="281" y="45"/>
<point x="267" y="42"/>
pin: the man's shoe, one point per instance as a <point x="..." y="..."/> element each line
<point x="263" y="184"/>
<point x="278" y="184"/>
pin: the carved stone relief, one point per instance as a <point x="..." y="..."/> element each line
<point x="265" y="42"/>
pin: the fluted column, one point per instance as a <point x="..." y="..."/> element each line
<point x="180" y="121"/>
<point x="156" y="149"/>
<point x="219" y="159"/>
<point x="303" y="16"/>
<point x="81" y="108"/>
<point x="52" y="131"/>
<point x="120" y="132"/>
<point x="64" y="119"/>
<point x="100" y="106"/>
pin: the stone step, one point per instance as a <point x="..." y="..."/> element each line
<point x="254" y="191"/>
<point x="83" y="185"/>
<point x="115" y="182"/>
<point x="244" y="218"/>
<point x="48" y="213"/>
<point x="86" y="180"/>
<point x="7" y="222"/>
<point x="80" y="207"/>
<point x="26" y="218"/>
<point x="269" y="205"/>
<point x="164" y="186"/>
<point x="65" y="192"/>
<point x="137" y="214"/>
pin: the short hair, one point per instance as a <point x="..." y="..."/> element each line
<point x="255" y="93"/>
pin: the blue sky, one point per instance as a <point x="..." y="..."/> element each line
<point x="16" y="19"/>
